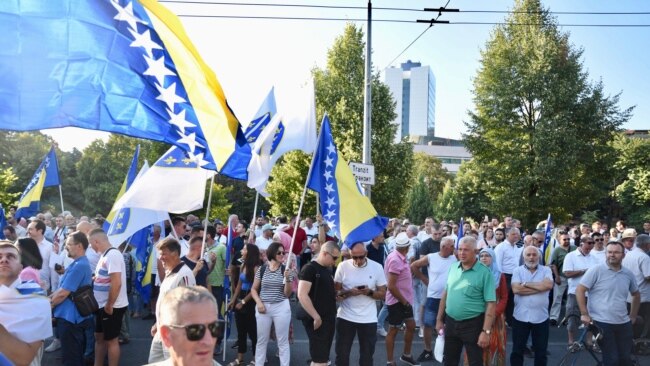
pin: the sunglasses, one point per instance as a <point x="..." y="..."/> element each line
<point x="196" y="332"/>
<point x="599" y="239"/>
<point x="358" y="257"/>
<point x="279" y="253"/>
<point x="335" y="257"/>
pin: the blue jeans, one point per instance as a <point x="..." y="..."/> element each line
<point x="616" y="343"/>
<point x="539" y="335"/>
<point x="431" y="312"/>
<point x="345" y="332"/>
<point x="89" y="332"/>
<point x="73" y="340"/>
<point x="381" y="318"/>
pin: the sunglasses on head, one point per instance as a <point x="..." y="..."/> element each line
<point x="196" y="332"/>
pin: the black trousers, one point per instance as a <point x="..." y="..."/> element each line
<point x="463" y="333"/>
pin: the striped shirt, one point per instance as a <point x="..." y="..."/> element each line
<point x="271" y="285"/>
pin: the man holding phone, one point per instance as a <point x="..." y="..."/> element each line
<point x="358" y="282"/>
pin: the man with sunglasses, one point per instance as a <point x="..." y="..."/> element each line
<point x="599" y="247"/>
<point x="177" y="274"/>
<point x="358" y="282"/>
<point x="188" y="326"/>
<point x="317" y="296"/>
<point x="557" y="265"/>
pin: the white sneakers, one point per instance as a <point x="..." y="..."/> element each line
<point x="381" y="331"/>
<point x="55" y="345"/>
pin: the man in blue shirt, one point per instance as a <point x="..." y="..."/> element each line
<point x="71" y="325"/>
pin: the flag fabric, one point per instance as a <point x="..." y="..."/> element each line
<point x="119" y="66"/>
<point x="460" y="231"/>
<point x="130" y="220"/>
<point x="175" y="183"/>
<point x="46" y="175"/>
<point x="348" y="213"/>
<point x="546" y="248"/>
<point x="267" y="110"/>
<point x="3" y="222"/>
<point x="142" y="242"/>
<point x="128" y="180"/>
<point x="285" y="132"/>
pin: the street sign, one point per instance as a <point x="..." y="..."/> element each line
<point x="364" y="173"/>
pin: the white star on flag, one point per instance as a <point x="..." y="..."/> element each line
<point x="179" y="121"/>
<point x="158" y="69"/>
<point x="169" y="96"/>
<point x="190" y="140"/>
<point x="125" y="14"/>
<point x="144" y="40"/>
<point x="330" y="214"/>
<point x="331" y="149"/>
<point x="199" y="159"/>
<point x="332" y="225"/>
<point x="329" y="188"/>
<point x="327" y="175"/>
<point x="330" y="201"/>
<point x="329" y="161"/>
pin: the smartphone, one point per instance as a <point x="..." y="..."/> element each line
<point x="361" y="287"/>
<point x="58" y="267"/>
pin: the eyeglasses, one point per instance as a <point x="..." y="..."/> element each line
<point x="566" y="239"/>
<point x="599" y="239"/>
<point x="335" y="257"/>
<point x="196" y="332"/>
<point x="590" y="242"/>
<point x="358" y="257"/>
<point x="279" y="253"/>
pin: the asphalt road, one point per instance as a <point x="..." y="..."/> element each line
<point x="137" y="350"/>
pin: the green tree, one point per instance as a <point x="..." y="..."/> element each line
<point x="632" y="186"/>
<point x="339" y="91"/>
<point x="7" y="197"/>
<point x="540" y="130"/>
<point x="465" y="196"/>
<point x="419" y="204"/>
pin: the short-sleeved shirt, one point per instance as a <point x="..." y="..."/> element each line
<point x="181" y="275"/>
<point x="397" y="264"/>
<point x="235" y="255"/>
<point x="469" y="290"/>
<point x="611" y="288"/>
<point x="558" y="255"/>
<point x="429" y="246"/>
<point x="263" y="243"/>
<point x="271" y="284"/>
<point x="301" y="239"/>
<point x="438" y="270"/>
<point x="111" y="261"/>
<point x="377" y="254"/>
<point x="638" y="262"/>
<point x="76" y="275"/>
<point x="531" y="308"/>
<point x="218" y="274"/>
<point x="576" y="261"/>
<point x="322" y="292"/>
<point x="507" y="256"/>
<point x="359" y="309"/>
<point x="201" y="277"/>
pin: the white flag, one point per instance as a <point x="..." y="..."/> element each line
<point x="175" y="183"/>
<point x="285" y="132"/>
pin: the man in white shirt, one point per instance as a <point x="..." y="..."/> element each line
<point x="638" y="262"/>
<point x="110" y="292"/>
<point x="508" y="255"/>
<point x="358" y="282"/>
<point x="531" y="284"/>
<point x="575" y="265"/>
<point x="266" y="238"/>
<point x="178" y="224"/>
<point x="438" y="265"/>
<point x="599" y="247"/>
<point x="36" y="231"/>
<point x="177" y="274"/>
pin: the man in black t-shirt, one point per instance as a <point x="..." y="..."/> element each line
<point x="317" y="297"/>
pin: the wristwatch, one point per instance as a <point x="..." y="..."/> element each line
<point x="243" y="302"/>
<point x="487" y="331"/>
<point x="370" y="293"/>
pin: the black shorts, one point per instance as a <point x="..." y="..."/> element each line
<point x="398" y="313"/>
<point x="109" y="325"/>
<point x="320" y="340"/>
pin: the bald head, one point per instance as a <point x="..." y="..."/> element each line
<point x="85" y="227"/>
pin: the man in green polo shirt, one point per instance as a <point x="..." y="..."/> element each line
<point x="466" y="311"/>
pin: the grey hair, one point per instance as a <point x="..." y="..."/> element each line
<point x="413" y="229"/>
<point x="642" y="241"/>
<point x="171" y="303"/>
<point x="469" y="241"/>
<point x="446" y="239"/>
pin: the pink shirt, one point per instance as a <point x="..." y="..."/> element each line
<point x="397" y="264"/>
<point x="30" y="273"/>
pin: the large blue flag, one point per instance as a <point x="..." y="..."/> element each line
<point x="142" y="242"/>
<point x="46" y="175"/>
<point x="264" y="114"/>
<point x="461" y="231"/>
<point x="120" y="66"/>
<point x="348" y="213"/>
<point x="546" y="251"/>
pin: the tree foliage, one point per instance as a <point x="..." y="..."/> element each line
<point x="540" y="130"/>
<point x="465" y="196"/>
<point x="7" y="179"/>
<point x="339" y="91"/>
<point x="430" y="179"/>
<point x="632" y="185"/>
<point x="419" y="204"/>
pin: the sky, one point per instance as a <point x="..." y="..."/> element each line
<point x="249" y="56"/>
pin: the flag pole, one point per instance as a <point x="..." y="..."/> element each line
<point x="227" y="292"/>
<point x="61" y="196"/>
<point x="207" y="216"/>
<point x="257" y="196"/>
<point x="302" y="201"/>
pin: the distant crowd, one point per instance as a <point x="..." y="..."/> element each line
<point x="419" y="279"/>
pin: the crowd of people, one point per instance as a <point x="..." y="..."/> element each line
<point x="417" y="279"/>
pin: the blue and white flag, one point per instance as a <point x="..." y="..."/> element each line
<point x="3" y="222"/>
<point x="120" y="66"/>
<point x="547" y="249"/>
<point x="131" y="174"/>
<point x="461" y="231"/>
<point x="264" y="114"/>
<point x="46" y="175"/>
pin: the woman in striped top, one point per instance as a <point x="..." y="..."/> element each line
<point x="271" y="290"/>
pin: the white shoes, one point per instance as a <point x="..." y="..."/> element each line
<point x="382" y="332"/>
<point x="55" y="345"/>
<point x="421" y="332"/>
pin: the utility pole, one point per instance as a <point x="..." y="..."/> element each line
<point x="367" y="99"/>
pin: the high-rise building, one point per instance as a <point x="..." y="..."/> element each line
<point x="414" y="89"/>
